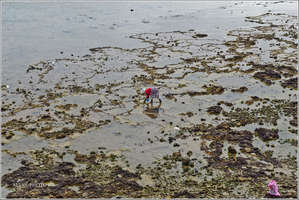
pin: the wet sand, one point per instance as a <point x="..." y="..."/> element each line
<point x="73" y="121"/>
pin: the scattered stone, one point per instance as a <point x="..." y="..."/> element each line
<point x="240" y="90"/>
<point x="267" y="134"/>
<point x="290" y="83"/>
<point x="214" y="110"/>
<point x="294" y="122"/>
<point x="267" y="76"/>
<point x="198" y="35"/>
<point x="176" y="145"/>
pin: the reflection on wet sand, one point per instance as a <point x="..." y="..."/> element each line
<point x="152" y="110"/>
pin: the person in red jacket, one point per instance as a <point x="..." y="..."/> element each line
<point x="151" y="93"/>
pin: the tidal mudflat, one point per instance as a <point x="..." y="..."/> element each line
<point x="76" y="126"/>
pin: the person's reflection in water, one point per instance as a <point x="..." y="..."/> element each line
<point x="152" y="111"/>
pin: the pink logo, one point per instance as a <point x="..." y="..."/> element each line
<point x="273" y="188"/>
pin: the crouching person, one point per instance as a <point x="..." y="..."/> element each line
<point x="151" y="93"/>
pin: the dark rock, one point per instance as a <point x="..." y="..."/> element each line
<point x="183" y="194"/>
<point x="231" y="151"/>
<point x="241" y="89"/>
<point x="198" y="127"/>
<point x="225" y="103"/>
<point x="267" y="76"/>
<point x="290" y="83"/>
<point x="171" y="139"/>
<point x="294" y="122"/>
<point x="186" y="161"/>
<point x="215" y="110"/>
<point x="213" y="89"/>
<point x="271" y="196"/>
<point x="198" y="35"/>
<point x="124" y="173"/>
<point x="176" y="145"/>
<point x="267" y="134"/>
